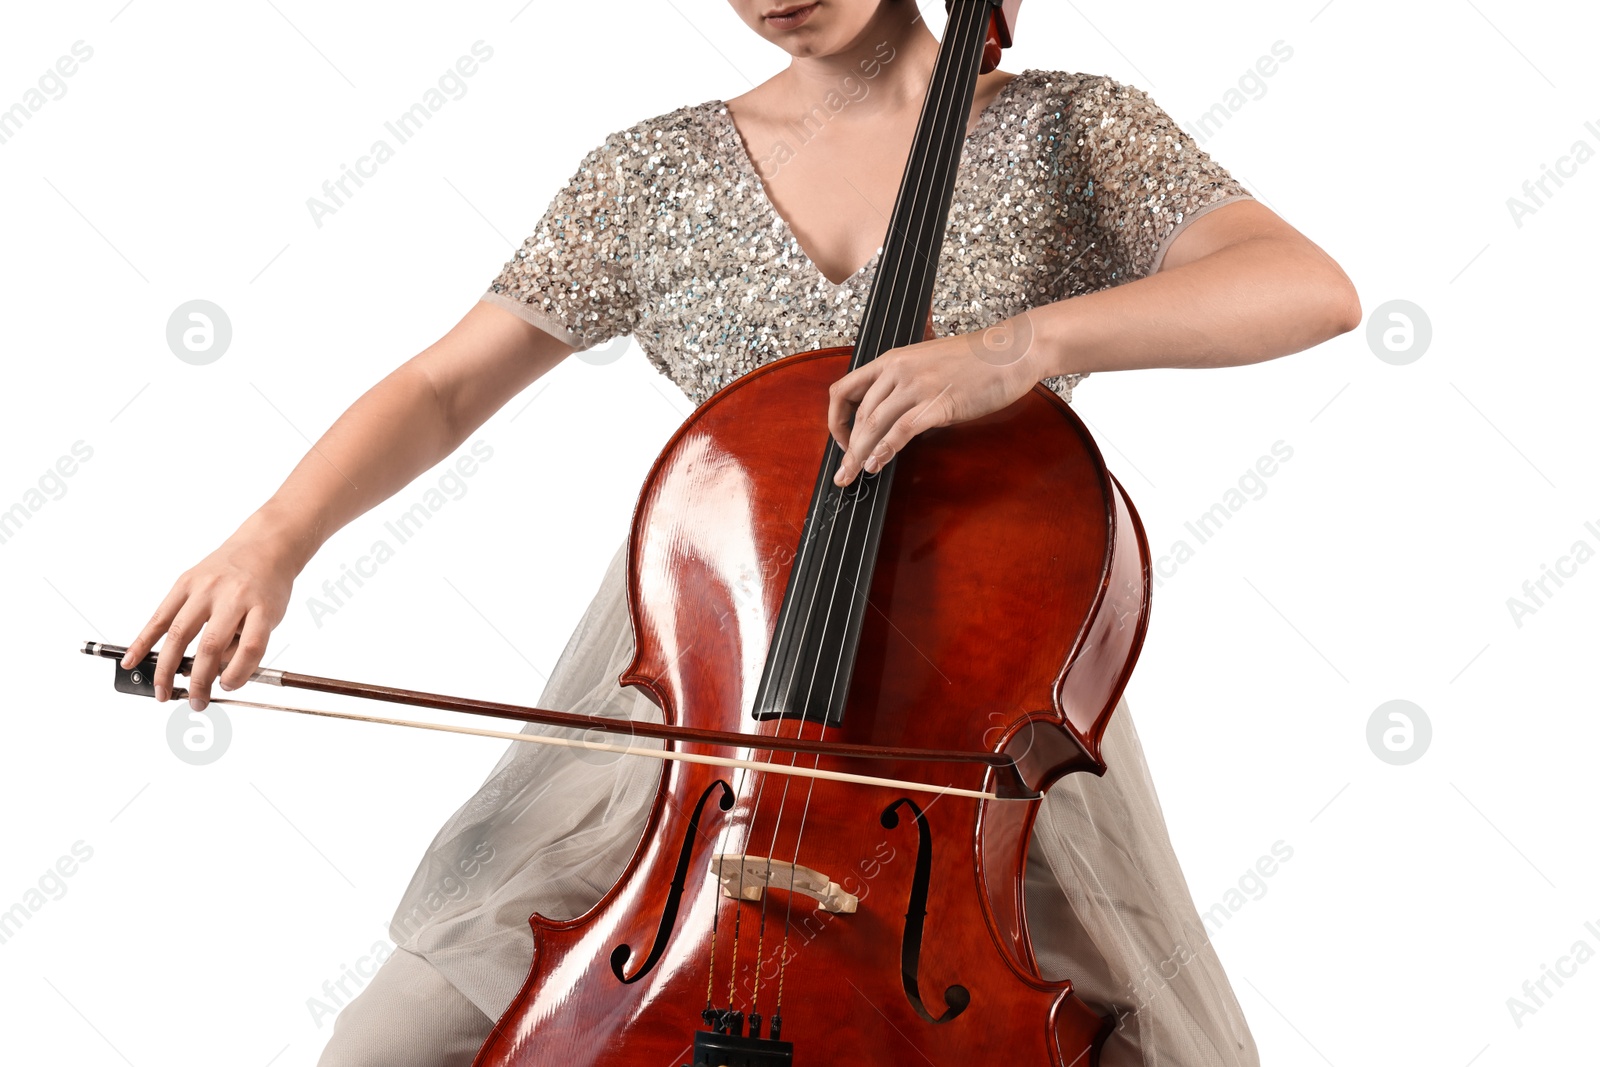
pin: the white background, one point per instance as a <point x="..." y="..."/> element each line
<point x="1377" y="566"/>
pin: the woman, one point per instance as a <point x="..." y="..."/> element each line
<point x="724" y="235"/>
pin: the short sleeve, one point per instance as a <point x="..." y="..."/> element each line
<point x="574" y="276"/>
<point x="1147" y="179"/>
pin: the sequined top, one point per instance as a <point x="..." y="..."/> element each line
<point x="1067" y="184"/>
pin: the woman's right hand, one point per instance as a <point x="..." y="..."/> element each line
<point x="232" y="599"/>
<point x="412" y="419"/>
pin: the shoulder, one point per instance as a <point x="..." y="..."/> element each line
<point x="1069" y="115"/>
<point x="1096" y="118"/>
<point x="658" y="145"/>
<point x="1079" y="95"/>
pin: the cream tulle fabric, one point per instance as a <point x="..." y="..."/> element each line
<point x="551" y="830"/>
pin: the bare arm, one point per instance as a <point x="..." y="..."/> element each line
<point x="409" y="421"/>
<point x="1239" y="285"/>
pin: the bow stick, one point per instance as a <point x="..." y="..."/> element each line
<point x="138" y="680"/>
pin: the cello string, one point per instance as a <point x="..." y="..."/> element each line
<point x="715" y="888"/>
<point x="786" y="624"/>
<point x="944" y="100"/>
<point x="941" y="96"/>
<point x="738" y="914"/>
<point x="785" y="628"/>
<point x="873" y="330"/>
<point x="810" y="595"/>
<point x="948" y="107"/>
<point x="785" y="620"/>
<point x="925" y="222"/>
<point x="854" y="504"/>
<point x="954" y="103"/>
<point x="946" y="103"/>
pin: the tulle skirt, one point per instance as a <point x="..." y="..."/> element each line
<point x="551" y="830"/>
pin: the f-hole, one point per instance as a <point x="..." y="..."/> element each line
<point x="669" y="913"/>
<point x="956" y="997"/>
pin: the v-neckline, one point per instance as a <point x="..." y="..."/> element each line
<point x="734" y="143"/>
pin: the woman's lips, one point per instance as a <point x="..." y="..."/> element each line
<point x="788" y="18"/>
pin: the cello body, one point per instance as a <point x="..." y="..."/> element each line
<point x="1007" y="604"/>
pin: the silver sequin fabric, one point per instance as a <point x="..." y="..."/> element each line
<point x="1067" y="184"/>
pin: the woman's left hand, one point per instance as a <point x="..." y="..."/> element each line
<point x="934" y="383"/>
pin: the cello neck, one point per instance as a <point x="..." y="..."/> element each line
<point x="818" y="630"/>
<point x="902" y="289"/>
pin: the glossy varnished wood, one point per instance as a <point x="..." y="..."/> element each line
<point x="998" y="609"/>
<point x="1009" y="567"/>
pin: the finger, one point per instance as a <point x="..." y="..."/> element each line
<point x="875" y="418"/>
<point x="251" y="646"/>
<point x="216" y="641"/>
<point x="924" y="416"/>
<point x="843" y="397"/>
<point x="173" y="645"/>
<point x="885" y="402"/>
<point x="861" y="392"/>
<point x="157" y="625"/>
<point x="902" y="432"/>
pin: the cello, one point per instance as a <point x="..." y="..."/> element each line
<point x="865" y="696"/>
